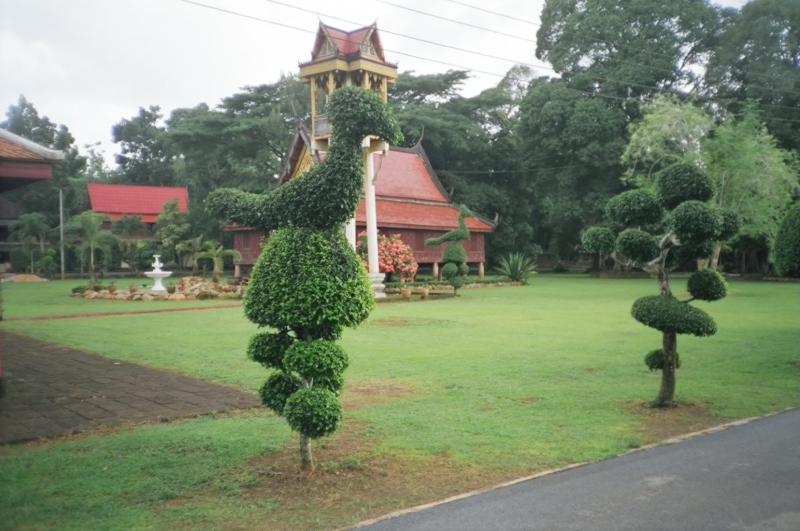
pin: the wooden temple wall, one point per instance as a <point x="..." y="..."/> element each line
<point x="248" y="242"/>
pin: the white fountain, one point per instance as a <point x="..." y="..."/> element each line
<point x="157" y="275"/>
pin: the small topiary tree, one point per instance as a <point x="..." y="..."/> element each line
<point x="600" y="242"/>
<point x="786" y="250"/>
<point x="308" y="283"/>
<point x="689" y="226"/>
<point x="455" y="257"/>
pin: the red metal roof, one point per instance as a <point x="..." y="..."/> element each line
<point x="406" y="215"/>
<point x="146" y="201"/>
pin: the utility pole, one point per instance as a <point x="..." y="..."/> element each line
<point x="61" y="224"/>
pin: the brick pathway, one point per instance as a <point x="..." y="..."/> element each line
<point x="55" y="390"/>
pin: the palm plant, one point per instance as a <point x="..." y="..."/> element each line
<point x="218" y="255"/>
<point x="31" y="229"/>
<point x="517" y="267"/>
<point x="128" y="228"/>
<point x="89" y="236"/>
<point x="194" y="247"/>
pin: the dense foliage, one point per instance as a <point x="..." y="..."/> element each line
<point x="787" y="245"/>
<point x="455" y="268"/>
<point x="309" y="283"/>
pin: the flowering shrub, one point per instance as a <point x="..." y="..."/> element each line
<point x="394" y="256"/>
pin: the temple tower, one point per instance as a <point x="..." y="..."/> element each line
<point x="342" y="59"/>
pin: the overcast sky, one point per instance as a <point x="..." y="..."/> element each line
<point x="89" y="63"/>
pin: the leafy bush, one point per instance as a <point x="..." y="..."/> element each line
<point x="636" y="207"/>
<point x="516" y="267"/>
<point x="655" y="360"/>
<point x="731" y="223"/>
<point x="668" y="314"/>
<point x="20" y="259"/>
<point x="394" y="256"/>
<point x="314" y="412"/>
<point x="707" y="285"/>
<point x="79" y="289"/>
<point x="454" y="253"/>
<point x="268" y="349"/>
<point x="277" y="390"/>
<point x="786" y="249"/>
<point x="683" y="182"/>
<point x="309" y="280"/>
<point x="638" y="245"/>
<point x="695" y="222"/>
<point x="316" y="360"/>
<point x="598" y="240"/>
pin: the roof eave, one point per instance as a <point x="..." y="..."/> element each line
<point x="47" y="153"/>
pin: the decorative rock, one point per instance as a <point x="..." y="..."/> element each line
<point x="177" y="297"/>
<point x="161" y="296"/>
<point x="121" y="296"/>
<point x="87" y="292"/>
<point x="147" y="297"/>
<point x="136" y="297"/>
<point x="191" y="297"/>
<point x="91" y="295"/>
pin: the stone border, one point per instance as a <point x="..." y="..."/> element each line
<point x="112" y="314"/>
<point x="671" y="440"/>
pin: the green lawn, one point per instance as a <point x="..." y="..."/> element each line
<point x="38" y="299"/>
<point x="510" y="379"/>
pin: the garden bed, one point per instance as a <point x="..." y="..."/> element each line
<point x="187" y="289"/>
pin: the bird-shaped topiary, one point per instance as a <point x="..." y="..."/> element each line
<point x="689" y="225"/>
<point x="308" y="283"/>
<point x="455" y="257"/>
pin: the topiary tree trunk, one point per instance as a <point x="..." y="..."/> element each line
<point x="455" y="257"/>
<point x="308" y="283"/>
<point x="691" y="228"/>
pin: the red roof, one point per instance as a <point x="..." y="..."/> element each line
<point x="403" y="175"/>
<point x="404" y="215"/>
<point x="117" y="200"/>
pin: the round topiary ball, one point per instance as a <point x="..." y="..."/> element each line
<point x="315" y="360"/>
<point x="450" y="270"/>
<point x="683" y="182"/>
<point x="311" y="281"/>
<point x="668" y="314"/>
<point x="695" y="222"/>
<point x="268" y="349"/>
<point x="454" y="252"/>
<point x="637" y="245"/>
<point x="786" y="249"/>
<point x="683" y="254"/>
<point x="655" y="360"/>
<point x="633" y="208"/>
<point x="463" y="270"/>
<point x="598" y="240"/>
<point x="707" y="285"/>
<point x="313" y="411"/>
<point x="277" y="390"/>
<point x="731" y="222"/>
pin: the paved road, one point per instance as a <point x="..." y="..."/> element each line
<point x="742" y="478"/>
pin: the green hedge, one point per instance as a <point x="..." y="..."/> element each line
<point x="637" y="245"/>
<point x="683" y="182"/>
<point x="598" y="240"/>
<point x="695" y="222"/>
<point x="707" y="285"/>
<point x="786" y="249"/>
<point x="636" y="207"/>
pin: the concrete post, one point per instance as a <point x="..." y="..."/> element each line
<point x="436" y="271"/>
<point x="481" y="271"/>
<point x="237" y="270"/>
<point x="372" y="225"/>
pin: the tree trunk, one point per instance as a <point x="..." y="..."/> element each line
<point x="715" y="256"/>
<point x="664" y="287"/>
<point x="306" y="459"/>
<point x="666" y="396"/>
<point x="741" y="262"/>
<point x="91" y="267"/>
<point x="702" y="264"/>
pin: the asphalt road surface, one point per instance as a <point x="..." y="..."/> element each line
<point x="745" y="478"/>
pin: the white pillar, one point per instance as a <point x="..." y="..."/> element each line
<point x="372" y="224"/>
<point x="372" y="214"/>
<point x="350" y="231"/>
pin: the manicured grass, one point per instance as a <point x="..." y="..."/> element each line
<point x="40" y="299"/>
<point x="501" y="379"/>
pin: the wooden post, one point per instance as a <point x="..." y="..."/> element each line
<point x="313" y="105"/>
<point x="481" y="271"/>
<point x="436" y="271"/>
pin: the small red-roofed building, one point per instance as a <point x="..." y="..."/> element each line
<point x="118" y="200"/>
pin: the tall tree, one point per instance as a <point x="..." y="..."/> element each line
<point x="603" y="46"/>
<point x="130" y="229"/>
<point x="90" y="237"/>
<point x="571" y="144"/>
<point x="171" y="228"/>
<point x="758" y="57"/>
<point x="145" y="157"/>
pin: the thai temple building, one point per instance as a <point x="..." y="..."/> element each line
<point x="402" y="194"/>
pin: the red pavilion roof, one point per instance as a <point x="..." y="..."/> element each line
<point x="117" y="200"/>
<point x="406" y="215"/>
